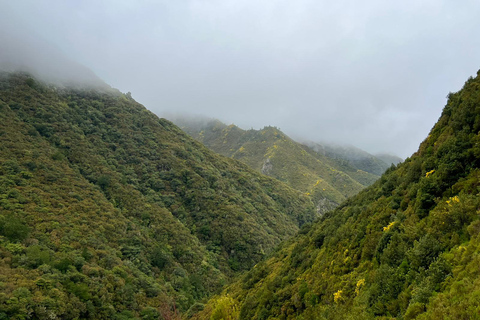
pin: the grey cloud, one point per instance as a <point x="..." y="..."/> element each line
<point x="23" y="50"/>
<point x="374" y="74"/>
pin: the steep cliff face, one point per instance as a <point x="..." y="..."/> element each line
<point x="406" y="247"/>
<point x="107" y="211"/>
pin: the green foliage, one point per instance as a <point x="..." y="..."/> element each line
<point x="12" y="227"/>
<point x="406" y="247"/>
<point x="108" y="212"/>
<point x="325" y="177"/>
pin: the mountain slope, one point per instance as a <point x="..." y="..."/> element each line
<point x="357" y="158"/>
<point x="405" y="248"/>
<point x="388" y="158"/>
<point x="108" y="212"/>
<point x="327" y="180"/>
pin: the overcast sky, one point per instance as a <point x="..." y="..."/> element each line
<point x="371" y="73"/>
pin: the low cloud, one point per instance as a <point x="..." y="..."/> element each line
<point x="373" y="74"/>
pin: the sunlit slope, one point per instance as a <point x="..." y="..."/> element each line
<point x="107" y="211"/>
<point x="328" y="181"/>
<point x="406" y="247"/>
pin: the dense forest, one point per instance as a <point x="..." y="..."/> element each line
<point x="108" y="212"/>
<point x="326" y="174"/>
<point x="406" y="247"/>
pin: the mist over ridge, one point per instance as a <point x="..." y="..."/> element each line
<point x="24" y="50"/>
<point x="197" y="122"/>
<point x="372" y="75"/>
<point x="248" y="165"/>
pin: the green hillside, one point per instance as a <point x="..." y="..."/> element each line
<point x="405" y="248"/>
<point x="328" y="180"/>
<point x="108" y="212"/>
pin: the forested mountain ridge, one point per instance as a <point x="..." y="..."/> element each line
<point x="406" y="247"/>
<point x="108" y="212"/>
<point x="328" y="178"/>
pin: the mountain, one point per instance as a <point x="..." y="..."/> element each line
<point x="407" y="247"/>
<point x="327" y="177"/>
<point x="389" y="158"/>
<point x="108" y="212"/>
<point x="376" y="164"/>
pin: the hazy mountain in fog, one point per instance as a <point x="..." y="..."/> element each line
<point x="356" y="157"/>
<point x="359" y="158"/>
<point x="24" y="50"/>
<point x="327" y="174"/>
<point x="389" y="158"/>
